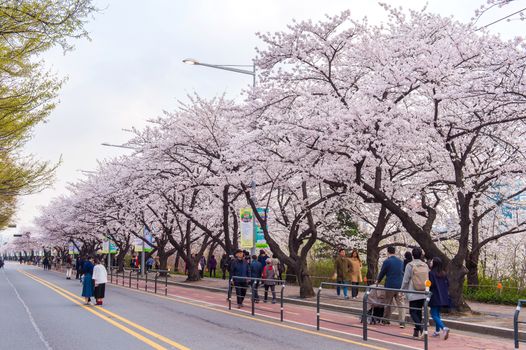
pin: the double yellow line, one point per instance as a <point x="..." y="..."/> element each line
<point x="99" y="312"/>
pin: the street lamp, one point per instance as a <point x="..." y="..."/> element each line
<point x="118" y="146"/>
<point x="228" y="67"/>
<point x="232" y="68"/>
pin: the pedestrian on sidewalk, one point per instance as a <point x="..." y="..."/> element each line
<point x="256" y="270"/>
<point x="408" y="257"/>
<point x="240" y="273"/>
<point x="149" y="263"/>
<point x="69" y="267"/>
<point x="224" y="263"/>
<point x="439" y="297"/>
<point x="269" y="280"/>
<point x="356" y="273"/>
<point x="278" y="267"/>
<point x="392" y="270"/>
<point x="415" y="277"/>
<point x="202" y="266"/>
<point x="262" y="258"/>
<point x="343" y="267"/>
<point x="87" y="280"/>
<point x="212" y="265"/>
<point x="100" y="278"/>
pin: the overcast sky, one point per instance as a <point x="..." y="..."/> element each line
<point x="131" y="70"/>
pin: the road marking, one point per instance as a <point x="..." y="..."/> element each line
<point x="201" y="303"/>
<point x="120" y="318"/>
<point x="28" y="312"/>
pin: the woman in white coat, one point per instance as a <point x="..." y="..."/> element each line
<point x="100" y="278"/>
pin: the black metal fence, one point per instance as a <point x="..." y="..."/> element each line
<point x="243" y="285"/>
<point x="516" y="322"/>
<point x="365" y="309"/>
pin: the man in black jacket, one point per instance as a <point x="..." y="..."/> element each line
<point x="240" y="273"/>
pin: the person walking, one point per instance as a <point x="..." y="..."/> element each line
<point x="343" y="267"/>
<point x="356" y="273"/>
<point x="239" y="274"/>
<point x="202" y="266"/>
<point x="100" y="278"/>
<point x="262" y="258"/>
<point x="256" y="270"/>
<point x="87" y="280"/>
<point x="392" y="270"/>
<point x="78" y="267"/>
<point x="408" y="257"/>
<point x="269" y="280"/>
<point x="278" y="267"/>
<point x="149" y="263"/>
<point x="439" y="297"/>
<point x="69" y="267"/>
<point x="415" y="277"/>
<point x="212" y="265"/>
<point x="224" y="263"/>
<point x="45" y="262"/>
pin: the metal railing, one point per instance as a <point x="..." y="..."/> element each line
<point x="366" y="310"/>
<point x="253" y="284"/>
<point x="516" y="322"/>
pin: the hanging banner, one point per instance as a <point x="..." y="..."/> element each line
<point x="260" y="236"/>
<point x="108" y="247"/>
<point x="246" y="219"/>
<point x="139" y="243"/>
<point x="72" y="250"/>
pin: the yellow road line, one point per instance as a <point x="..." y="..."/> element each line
<point x="315" y="333"/>
<point x="118" y="325"/>
<point x="120" y="318"/>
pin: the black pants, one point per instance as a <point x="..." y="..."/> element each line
<point x="273" y="290"/>
<point x="212" y="271"/>
<point x="77" y="275"/>
<point x="256" y="288"/>
<point x="354" y="290"/>
<point x="241" y="291"/>
<point x="416" y="313"/>
<point x="224" y="272"/>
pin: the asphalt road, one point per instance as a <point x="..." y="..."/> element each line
<point x="42" y="310"/>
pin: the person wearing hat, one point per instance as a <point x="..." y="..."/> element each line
<point x="240" y="274"/>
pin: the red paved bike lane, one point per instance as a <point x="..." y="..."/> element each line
<point x="307" y="316"/>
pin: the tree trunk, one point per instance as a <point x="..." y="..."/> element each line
<point x="193" y="271"/>
<point x="305" y="282"/>
<point x="472" y="264"/>
<point x="176" y="263"/>
<point x="290" y="274"/>
<point x="373" y="255"/>
<point x="163" y="263"/>
<point x="456" y="276"/>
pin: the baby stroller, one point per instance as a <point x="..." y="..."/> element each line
<point x="376" y="303"/>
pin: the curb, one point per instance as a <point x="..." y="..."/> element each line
<point x="452" y="324"/>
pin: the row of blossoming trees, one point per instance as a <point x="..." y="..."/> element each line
<point x="414" y="127"/>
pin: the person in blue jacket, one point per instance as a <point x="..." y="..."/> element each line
<point x="87" y="281"/>
<point x="240" y="274"/>
<point x="393" y="271"/>
<point x="256" y="269"/>
<point x="440" y="297"/>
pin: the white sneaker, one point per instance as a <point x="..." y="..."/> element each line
<point x="445" y="333"/>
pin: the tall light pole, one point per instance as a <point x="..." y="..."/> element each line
<point x="235" y="68"/>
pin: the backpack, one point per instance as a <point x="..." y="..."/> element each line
<point x="420" y="275"/>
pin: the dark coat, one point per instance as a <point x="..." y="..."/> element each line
<point x="393" y="271"/>
<point x="439" y="288"/>
<point x="239" y="268"/>
<point x="87" y="268"/>
<point x="212" y="263"/>
<point x="256" y="269"/>
<point x="263" y="259"/>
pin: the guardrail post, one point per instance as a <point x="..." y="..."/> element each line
<point x="111" y="275"/>
<point x="252" y="298"/>
<point x="123" y="277"/>
<point x="155" y="282"/>
<point x="138" y="272"/>
<point x="282" y="309"/>
<point x="426" y="321"/>
<point x="229" y="294"/>
<point x="318" y="308"/>
<point x="146" y="280"/>
<point x="364" y="312"/>
<point x="516" y="325"/>
<point x="166" y="283"/>
<point x="129" y="279"/>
